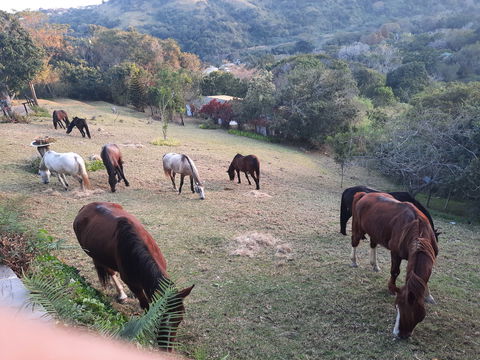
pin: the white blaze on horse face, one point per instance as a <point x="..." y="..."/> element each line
<point x="45" y="175"/>
<point x="200" y="191"/>
<point x="396" y="329"/>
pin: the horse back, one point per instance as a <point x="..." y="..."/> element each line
<point x="112" y="152"/>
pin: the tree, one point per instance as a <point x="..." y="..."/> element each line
<point x="20" y="58"/>
<point x="137" y="92"/>
<point x="223" y="83"/>
<point x="408" y="80"/>
<point x="218" y="110"/>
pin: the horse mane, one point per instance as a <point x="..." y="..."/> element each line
<point x="137" y="260"/>
<point x="194" y="170"/>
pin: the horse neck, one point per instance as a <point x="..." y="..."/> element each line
<point x="196" y="178"/>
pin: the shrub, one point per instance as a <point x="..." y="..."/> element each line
<point x="94" y="165"/>
<point x="162" y="142"/>
<point x="40" y="111"/>
<point x="251" y="135"/>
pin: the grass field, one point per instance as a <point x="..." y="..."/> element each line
<point x="295" y="297"/>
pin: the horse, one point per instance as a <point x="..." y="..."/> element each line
<point x="406" y="232"/>
<point x="118" y="243"/>
<point x="112" y="159"/>
<point x="80" y="124"/>
<point x="247" y="164"/>
<point x="347" y="199"/>
<point x="179" y="163"/>
<point x="63" y="164"/>
<point x="58" y="117"/>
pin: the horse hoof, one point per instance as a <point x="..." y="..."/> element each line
<point x="122" y="300"/>
<point x="430" y="300"/>
<point x="353" y="265"/>
<point x="376" y="268"/>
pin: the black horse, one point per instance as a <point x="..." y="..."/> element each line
<point x="80" y="124"/>
<point x="347" y="200"/>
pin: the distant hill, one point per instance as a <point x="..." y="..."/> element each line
<point x="216" y="29"/>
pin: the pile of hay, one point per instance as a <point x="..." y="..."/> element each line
<point x="251" y="244"/>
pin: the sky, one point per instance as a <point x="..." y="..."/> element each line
<point x="9" y="5"/>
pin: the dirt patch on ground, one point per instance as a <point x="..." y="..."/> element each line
<point x="253" y="243"/>
<point x="15" y="252"/>
<point x="132" y="145"/>
<point x="78" y="194"/>
<point x="257" y="194"/>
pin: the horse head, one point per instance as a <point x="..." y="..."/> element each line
<point x="170" y="321"/>
<point x="410" y="306"/>
<point x="200" y="190"/>
<point x="231" y="172"/>
<point x="45" y="175"/>
<point x="71" y="125"/>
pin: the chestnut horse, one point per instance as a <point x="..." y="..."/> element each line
<point x="81" y="124"/>
<point x="118" y="242"/>
<point x="247" y="164"/>
<point x="112" y="159"/>
<point x="406" y="232"/>
<point x="347" y="200"/>
<point x="58" y="117"/>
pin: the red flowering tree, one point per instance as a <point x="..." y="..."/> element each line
<point x="218" y="110"/>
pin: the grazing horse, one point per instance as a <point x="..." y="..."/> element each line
<point x="179" y="163"/>
<point x="112" y="159"/>
<point x="247" y="164"/>
<point x="406" y="232"/>
<point x="58" y="117"/>
<point x="347" y="200"/>
<point x="63" y="164"/>
<point x="118" y="242"/>
<point x="80" y="124"/>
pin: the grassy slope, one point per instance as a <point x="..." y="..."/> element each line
<point x="312" y="306"/>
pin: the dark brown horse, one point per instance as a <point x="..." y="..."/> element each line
<point x="247" y="164"/>
<point x="118" y="242"/>
<point x="347" y="200"/>
<point x="406" y="232"/>
<point x="81" y="124"/>
<point x="58" y="117"/>
<point x="112" y="159"/>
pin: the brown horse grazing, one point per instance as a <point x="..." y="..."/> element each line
<point x="118" y="242"/>
<point x="80" y="124"/>
<point x="347" y="200"/>
<point x="112" y="159"/>
<point x="406" y="232"/>
<point x="247" y="164"/>
<point x="58" y="117"/>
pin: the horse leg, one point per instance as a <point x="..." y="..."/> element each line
<point x="65" y="179"/>
<point x="65" y="186"/>
<point x="246" y="174"/>
<point x="140" y="294"/>
<point x="120" y="167"/>
<point x="172" y="177"/>
<point x="181" y="183"/>
<point x="80" y="180"/>
<point x="394" y="272"/>
<point x="191" y="184"/>
<point x="238" y="175"/>
<point x="255" y="178"/>
<point x="355" y="241"/>
<point x="373" y="257"/>
<point x="81" y="131"/>
<point x="122" y="297"/>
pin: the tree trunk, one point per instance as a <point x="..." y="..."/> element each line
<point x="429" y="196"/>
<point x="448" y="199"/>
<point x="181" y="120"/>
<point x="342" y="166"/>
<point x="34" y="94"/>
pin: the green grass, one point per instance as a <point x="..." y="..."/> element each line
<point x="251" y="135"/>
<point x="162" y="142"/>
<point x="94" y="165"/>
<point x="309" y="306"/>
<point x="40" y="111"/>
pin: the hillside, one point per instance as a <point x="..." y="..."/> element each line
<point x="217" y="29"/>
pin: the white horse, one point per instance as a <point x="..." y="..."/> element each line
<point x="178" y="163"/>
<point x="63" y="164"/>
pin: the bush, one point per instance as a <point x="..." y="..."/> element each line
<point x="94" y="165"/>
<point x="208" y="126"/>
<point x="251" y="135"/>
<point x="163" y="142"/>
<point x="40" y="111"/>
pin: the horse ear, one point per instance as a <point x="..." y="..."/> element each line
<point x="185" y="292"/>
<point x="411" y="297"/>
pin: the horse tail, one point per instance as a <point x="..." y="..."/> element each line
<point x="83" y="172"/>
<point x="194" y="170"/>
<point x="257" y="167"/>
<point x="106" y="161"/>
<point x="55" y="119"/>
<point x="86" y="129"/>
